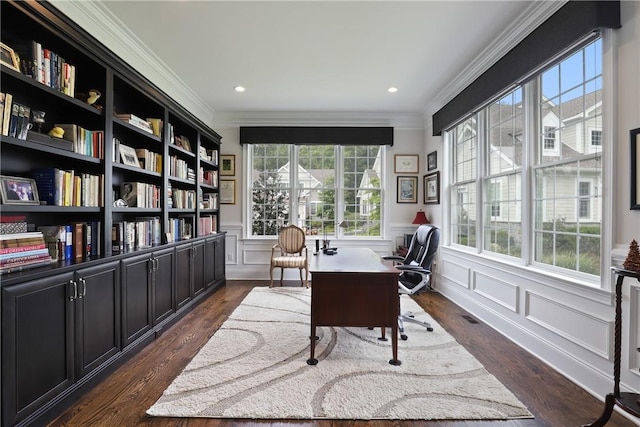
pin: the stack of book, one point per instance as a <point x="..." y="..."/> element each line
<point x="143" y="232"/>
<point x="136" y="121"/>
<point x="87" y="142"/>
<point x="47" y="67"/>
<point x="180" y="228"/>
<point x="208" y="225"/>
<point x="58" y="187"/>
<point x="22" y="251"/>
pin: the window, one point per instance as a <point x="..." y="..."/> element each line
<point x="332" y="184"/>
<point x="564" y="143"/>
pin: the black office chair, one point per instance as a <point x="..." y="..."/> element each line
<point x="415" y="269"/>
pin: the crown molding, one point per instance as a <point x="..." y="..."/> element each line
<point x="98" y="21"/>
<point x="536" y="14"/>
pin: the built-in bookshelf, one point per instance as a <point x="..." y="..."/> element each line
<point x="126" y="207"/>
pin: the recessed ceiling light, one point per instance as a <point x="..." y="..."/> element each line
<point x="392" y="89"/>
<point x="239" y="88"/>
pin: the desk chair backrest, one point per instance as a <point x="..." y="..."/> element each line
<point x="424" y="246"/>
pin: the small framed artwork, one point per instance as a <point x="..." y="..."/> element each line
<point x="407" y="191"/>
<point x="128" y="156"/>
<point x="432" y="188"/>
<point x="635" y="168"/>
<point x="16" y="190"/>
<point x="405" y="163"/>
<point x="8" y="57"/>
<point x="227" y="164"/>
<point x="432" y="161"/>
<point x="228" y="191"/>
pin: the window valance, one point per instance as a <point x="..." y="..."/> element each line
<point x="569" y="25"/>
<point x="304" y="135"/>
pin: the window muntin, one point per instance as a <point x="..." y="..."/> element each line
<point x="332" y="184"/>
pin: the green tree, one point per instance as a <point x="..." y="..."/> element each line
<point x="270" y="204"/>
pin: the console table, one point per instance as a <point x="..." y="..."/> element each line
<point x="353" y="288"/>
<point x="630" y="402"/>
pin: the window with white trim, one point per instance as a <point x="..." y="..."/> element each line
<point x="564" y="140"/>
<point x="316" y="187"/>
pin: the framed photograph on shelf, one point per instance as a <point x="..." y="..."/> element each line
<point x="8" y="57"/>
<point x="635" y="168"/>
<point x="16" y="190"/>
<point x="407" y="191"/>
<point x="227" y="164"/>
<point x="432" y="161"/>
<point x="228" y="191"/>
<point x="432" y="188"/>
<point x="128" y="156"/>
<point x="405" y="163"/>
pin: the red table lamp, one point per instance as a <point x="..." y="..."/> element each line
<point x="420" y="218"/>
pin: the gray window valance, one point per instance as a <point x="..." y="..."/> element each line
<point x="305" y="135"/>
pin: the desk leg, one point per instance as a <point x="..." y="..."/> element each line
<point x="312" y="360"/>
<point x="394" y="345"/>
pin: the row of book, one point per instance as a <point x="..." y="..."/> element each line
<point x="180" y="228"/>
<point x="74" y="241"/>
<point x="209" y="177"/>
<point x="14" y="120"/>
<point x="22" y="251"/>
<point x="180" y="169"/>
<point x="183" y="199"/>
<point x="47" y="67"/>
<point x="59" y="187"/>
<point x="84" y="141"/>
<point x="209" y="155"/>
<point x="143" y="232"/>
<point x="140" y="194"/>
<point x="208" y="224"/>
<point x="149" y="160"/>
<point x="209" y="201"/>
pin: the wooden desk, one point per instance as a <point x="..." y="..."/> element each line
<point x="353" y="288"/>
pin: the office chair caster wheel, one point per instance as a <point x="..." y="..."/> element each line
<point x="403" y="337"/>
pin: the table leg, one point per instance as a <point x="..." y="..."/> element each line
<point x="609" y="402"/>
<point x="312" y="360"/>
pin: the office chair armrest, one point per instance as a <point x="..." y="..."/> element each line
<point x="392" y="258"/>
<point x="413" y="268"/>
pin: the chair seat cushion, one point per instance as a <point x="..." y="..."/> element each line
<point x="289" y="261"/>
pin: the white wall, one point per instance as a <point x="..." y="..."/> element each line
<point x="568" y="324"/>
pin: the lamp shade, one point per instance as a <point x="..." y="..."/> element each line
<point x="420" y="218"/>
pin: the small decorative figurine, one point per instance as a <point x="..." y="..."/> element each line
<point x="632" y="263"/>
<point x="93" y="96"/>
<point x="57" y="132"/>
<point x="38" y="119"/>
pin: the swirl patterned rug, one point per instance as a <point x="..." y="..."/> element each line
<point x="255" y="367"/>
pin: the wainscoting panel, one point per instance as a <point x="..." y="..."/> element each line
<point x="456" y="274"/>
<point x="589" y="332"/>
<point x="256" y="256"/>
<point x="496" y="290"/>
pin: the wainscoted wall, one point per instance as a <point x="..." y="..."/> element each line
<point x="566" y="324"/>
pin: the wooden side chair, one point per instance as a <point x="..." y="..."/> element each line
<point x="290" y="252"/>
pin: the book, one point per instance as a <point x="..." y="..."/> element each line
<point x="13" y="123"/>
<point x="2" y="96"/>
<point x="68" y="244"/>
<point x="47" y="183"/>
<point x="26" y="266"/>
<point x="6" y="114"/>
<point x="77" y="230"/>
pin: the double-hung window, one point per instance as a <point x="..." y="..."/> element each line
<point x="325" y="189"/>
<point x="551" y="130"/>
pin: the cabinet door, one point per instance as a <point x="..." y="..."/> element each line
<point x="209" y="261"/>
<point x="97" y="315"/>
<point x="219" y="258"/>
<point x="198" y="261"/>
<point x="163" y="285"/>
<point x="37" y="344"/>
<point x="136" y="297"/>
<point x="183" y="274"/>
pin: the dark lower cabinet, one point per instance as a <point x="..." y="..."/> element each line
<point x="54" y="331"/>
<point x="183" y="274"/>
<point x="162" y="285"/>
<point x="198" y="263"/>
<point x="136" y="297"/>
<point x="214" y="267"/>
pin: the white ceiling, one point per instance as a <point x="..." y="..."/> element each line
<point x="325" y="56"/>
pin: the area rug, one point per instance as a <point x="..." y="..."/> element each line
<point x="255" y="367"/>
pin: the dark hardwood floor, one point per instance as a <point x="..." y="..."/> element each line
<point x="123" y="398"/>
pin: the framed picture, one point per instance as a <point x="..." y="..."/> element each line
<point x="228" y="164"/>
<point x="128" y="156"/>
<point x="432" y="188"/>
<point x="432" y="161"/>
<point x="405" y="163"/>
<point x="407" y="191"/>
<point x="16" y="190"/>
<point x="635" y="168"/>
<point x="228" y="191"/>
<point x="8" y="57"/>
